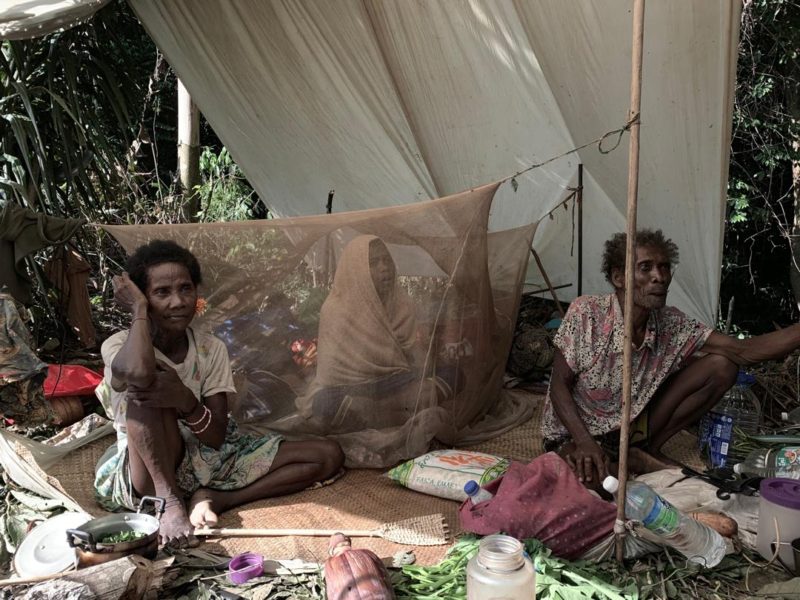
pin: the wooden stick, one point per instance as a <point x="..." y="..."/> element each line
<point x="547" y="281"/>
<point x="579" y="200"/>
<point x="223" y="532"/>
<point x="630" y="260"/>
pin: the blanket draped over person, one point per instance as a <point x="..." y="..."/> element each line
<point x="370" y="365"/>
<point x="360" y="338"/>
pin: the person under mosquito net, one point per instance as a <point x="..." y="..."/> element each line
<point x="166" y="385"/>
<point x="680" y="369"/>
<point x="372" y="370"/>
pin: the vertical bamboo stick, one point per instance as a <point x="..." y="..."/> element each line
<point x="579" y="200"/>
<point x="547" y="282"/>
<point x="630" y="259"/>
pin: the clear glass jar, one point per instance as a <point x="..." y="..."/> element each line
<point x="500" y="571"/>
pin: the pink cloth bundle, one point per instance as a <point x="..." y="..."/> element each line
<point x="542" y="500"/>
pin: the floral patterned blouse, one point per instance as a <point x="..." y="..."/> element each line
<point x="591" y="340"/>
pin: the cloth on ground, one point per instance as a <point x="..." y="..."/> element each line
<point x="21" y="372"/>
<point x="23" y="232"/>
<point x="69" y="272"/>
<point x="542" y="500"/>
<point x="241" y="460"/>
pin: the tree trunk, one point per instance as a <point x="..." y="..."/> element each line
<point x="128" y="578"/>
<point x="188" y="152"/>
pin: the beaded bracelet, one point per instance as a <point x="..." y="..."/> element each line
<point x="199" y="431"/>
<point x="195" y="423"/>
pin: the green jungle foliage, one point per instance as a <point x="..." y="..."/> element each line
<point x="766" y="123"/>
<point x="88" y="128"/>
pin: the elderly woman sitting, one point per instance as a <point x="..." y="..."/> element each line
<point x="166" y="386"/>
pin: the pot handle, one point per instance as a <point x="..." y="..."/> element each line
<point x="84" y="536"/>
<point x="158" y="503"/>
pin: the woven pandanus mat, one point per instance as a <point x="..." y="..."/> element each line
<point x="75" y="473"/>
<point x="524" y="442"/>
<point x="683" y="448"/>
<point x="361" y="499"/>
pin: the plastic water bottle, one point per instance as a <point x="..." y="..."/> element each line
<point x="774" y="462"/>
<point x="476" y="493"/>
<point x="696" y="541"/>
<point x="739" y="409"/>
<point x="500" y="571"/>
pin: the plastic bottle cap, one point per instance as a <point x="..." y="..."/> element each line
<point x="471" y="487"/>
<point x="745" y="379"/>
<point x="611" y="484"/>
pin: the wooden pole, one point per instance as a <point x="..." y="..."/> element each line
<point x="188" y="152"/>
<point x="547" y="281"/>
<point x="579" y="200"/>
<point x="630" y="264"/>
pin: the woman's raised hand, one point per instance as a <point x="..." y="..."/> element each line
<point x="126" y="293"/>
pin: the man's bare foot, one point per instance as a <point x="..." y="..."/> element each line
<point x="203" y="508"/>
<point x="641" y="462"/>
<point x="176" y="530"/>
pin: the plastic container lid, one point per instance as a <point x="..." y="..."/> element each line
<point x="45" y="550"/>
<point x="471" y="487"/>
<point x="781" y="491"/>
<point x="244" y="567"/>
<point x="611" y="484"/>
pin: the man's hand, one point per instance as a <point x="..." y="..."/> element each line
<point x="166" y="391"/>
<point x="586" y="459"/>
<point x="126" y="293"/>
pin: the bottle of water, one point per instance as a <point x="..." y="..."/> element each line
<point x="476" y="493"/>
<point x="696" y="541"/>
<point x="773" y="462"/>
<point x="500" y="571"/>
<point x="738" y="410"/>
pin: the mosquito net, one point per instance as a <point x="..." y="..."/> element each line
<point x="382" y="329"/>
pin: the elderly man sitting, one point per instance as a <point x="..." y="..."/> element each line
<point x="680" y="366"/>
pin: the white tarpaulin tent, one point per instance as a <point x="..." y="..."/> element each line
<point x="391" y="101"/>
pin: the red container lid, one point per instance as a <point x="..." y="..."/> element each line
<point x="781" y="491"/>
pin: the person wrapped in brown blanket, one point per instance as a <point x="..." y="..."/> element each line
<point x="372" y="370"/>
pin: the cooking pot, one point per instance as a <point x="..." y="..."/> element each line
<point x="90" y="551"/>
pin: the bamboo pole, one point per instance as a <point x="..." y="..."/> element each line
<point x="547" y="282"/>
<point x="579" y="200"/>
<point x="630" y="260"/>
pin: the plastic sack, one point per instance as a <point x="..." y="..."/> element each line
<point x="70" y="380"/>
<point x="444" y="473"/>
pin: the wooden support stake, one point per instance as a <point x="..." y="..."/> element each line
<point x="547" y="281"/>
<point x="630" y="260"/>
<point x="579" y="200"/>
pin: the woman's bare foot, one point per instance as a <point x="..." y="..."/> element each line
<point x="641" y="462"/>
<point x="175" y="528"/>
<point x="203" y="508"/>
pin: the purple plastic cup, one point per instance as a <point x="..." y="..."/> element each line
<point x="244" y="567"/>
